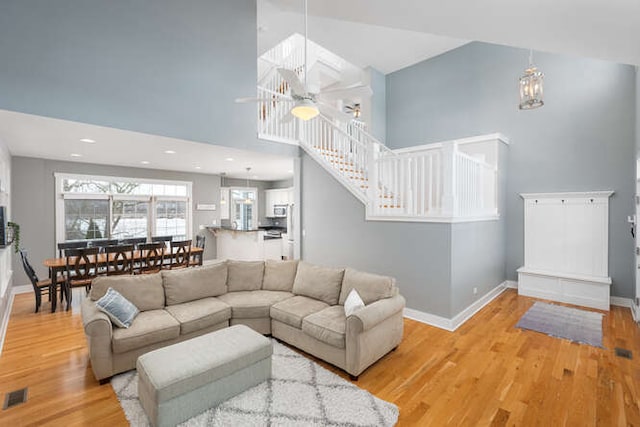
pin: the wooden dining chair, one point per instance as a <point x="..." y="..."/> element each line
<point x="135" y="241"/>
<point x="39" y="286"/>
<point x="196" y="259"/>
<point x="62" y="247"/>
<point x="151" y="257"/>
<point x="103" y="243"/>
<point x="119" y="259"/>
<point x="180" y="254"/>
<point x="165" y="239"/>
<point x="82" y="268"/>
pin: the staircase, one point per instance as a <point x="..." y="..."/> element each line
<point x="444" y="182"/>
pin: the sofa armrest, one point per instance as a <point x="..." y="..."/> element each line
<point x="375" y="313"/>
<point x="94" y="321"/>
<point x="98" y="331"/>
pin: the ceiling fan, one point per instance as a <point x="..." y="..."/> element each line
<point x="309" y="104"/>
<point x="353" y="110"/>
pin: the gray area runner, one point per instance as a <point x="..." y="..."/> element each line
<point x="564" y="322"/>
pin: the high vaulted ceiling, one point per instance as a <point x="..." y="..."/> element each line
<point x="604" y="29"/>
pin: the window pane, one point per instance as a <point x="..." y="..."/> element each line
<point x="86" y="219"/>
<point x="130" y="219"/>
<point x="124" y="187"/>
<point x="171" y="218"/>
<point x="70" y="185"/>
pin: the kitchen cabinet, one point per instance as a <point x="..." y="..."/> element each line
<point x="277" y="196"/>
<point x="224" y="203"/>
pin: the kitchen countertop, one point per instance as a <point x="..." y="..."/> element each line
<point x="253" y="230"/>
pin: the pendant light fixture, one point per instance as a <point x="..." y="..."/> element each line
<point x="305" y="109"/>
<point x="248" y="200"/>
<point x="531" y="87"/>
<point x="223" y="200"/>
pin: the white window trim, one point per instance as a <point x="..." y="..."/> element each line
<point x="256" y="218"/>
<point x="60" y="196"/>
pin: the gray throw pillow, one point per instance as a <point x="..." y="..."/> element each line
<point x="119" y="309"/>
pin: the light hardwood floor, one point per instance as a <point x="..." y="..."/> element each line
<point x="485" y="373"/>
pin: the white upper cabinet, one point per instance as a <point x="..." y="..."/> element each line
<point x="277" y="196"/>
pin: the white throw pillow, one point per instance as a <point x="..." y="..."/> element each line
<point x="353" y="303"/>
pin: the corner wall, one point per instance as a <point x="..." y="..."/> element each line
<point x="33" y="196"/>
<point x="336" y="234"/>
<point x="582" y="139"/>
<point x="6" y="253"/>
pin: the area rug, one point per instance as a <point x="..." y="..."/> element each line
<point x="564" y="322"/>
<point x="300" y="393"/>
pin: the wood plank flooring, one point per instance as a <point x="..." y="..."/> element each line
<point x="487" y="373"/>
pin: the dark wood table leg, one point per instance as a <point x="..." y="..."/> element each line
<point x="53" y="291"/>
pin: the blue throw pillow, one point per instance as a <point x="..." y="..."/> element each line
<point x="119" y="309"/>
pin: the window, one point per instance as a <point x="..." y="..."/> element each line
<point x="91" y="207"/>
<point x="244" y="206"/>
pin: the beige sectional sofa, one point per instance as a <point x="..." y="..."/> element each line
<point x="298" y="303"/>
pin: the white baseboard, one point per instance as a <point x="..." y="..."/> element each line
<point x="22" y="289"/>
<point x="511" y="284"/>
<point x="621" y="302"/>
<point x="635" y="312"/>
<point x="459" y="319"/>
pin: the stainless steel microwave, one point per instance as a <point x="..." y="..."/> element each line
<point x="280" y="210"/>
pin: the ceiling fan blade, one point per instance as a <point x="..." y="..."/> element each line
<point x="331" y="111"/>
<point x="360" y="91"/>
<point x="294" y="82"/>
<point x="249" y="99"/>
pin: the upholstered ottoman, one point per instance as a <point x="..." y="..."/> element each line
<point x="182" y="380"/>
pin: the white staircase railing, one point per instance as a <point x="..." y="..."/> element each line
<point x="447" y="181"/>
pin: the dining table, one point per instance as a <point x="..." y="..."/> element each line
<point x="57" y="266"/>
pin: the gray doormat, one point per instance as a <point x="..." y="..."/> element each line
<point x="564" y="322"/>
<point x="300" y="393"/>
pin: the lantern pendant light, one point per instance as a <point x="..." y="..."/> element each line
<point x="531" y="87"/>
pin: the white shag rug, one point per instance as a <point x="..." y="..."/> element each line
<point x="300" y="393"/>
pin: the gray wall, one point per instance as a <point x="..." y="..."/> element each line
<point x="336" y="234"/>
<point x="33" y="203"/>
<point x="154" y="66"/>
<point x="582" y="139"/>
<point x="478" y="251"/>
<point x="378" y="84"/>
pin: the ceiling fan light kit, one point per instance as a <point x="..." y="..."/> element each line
<point x="305" y="109"/>
<point x="531" y="87"/>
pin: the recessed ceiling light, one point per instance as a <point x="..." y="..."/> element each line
<point x="76" y="155"/>
<point x="255" y="177"/>
<point x="145" y="162"/>
<point x="169" y="152"/>
<point x="88" y="140"/>
<point x="290" y="171"/>
<point x="229" y="159"/>
<point x="198" y="167"/>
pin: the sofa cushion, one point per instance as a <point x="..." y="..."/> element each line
<point x="150" y="327"/>
<point x="245" y="275"/>
<point x="327" y="325"/>
<point x="189" y="284"/>
<point x="291" y="311"/>
<point x="199" y="314"/>
<point x="279" y="275"/>
<point x="370" y="287"/>
<point x="144" y="291"/>
<point x="321" y="283"/>
<point x="253" y="304"/>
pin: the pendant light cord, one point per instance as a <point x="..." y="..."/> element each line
<point x="306" y="41"/>
<point x="530" y="56"/>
